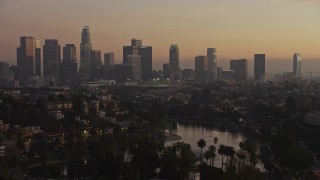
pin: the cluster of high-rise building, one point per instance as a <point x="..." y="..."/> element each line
<point x="47" y="68"/>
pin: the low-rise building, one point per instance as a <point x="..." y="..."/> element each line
<point x="4" y="127"/>
<point x="58" y="105"/>
<point x="56" y="114"/>
<point x="312" y="118"/>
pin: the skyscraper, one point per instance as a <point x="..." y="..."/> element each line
<point x="145" y="52"/>
<point x="68" y="66"/>
<point x="4" y="70"/>
<point x="38" y="62"/>
<point x="259" y="67"/>
<point x="95" y="64"/>
<point x="69" y="52"/>
<point x="297" y="65"/>
<point x="85" y="52"/>
<point x="175" y="71"/>
<point x="174" y="57"/>
<point x="146" y="62"/>
<point x="136" y="42"/>
<point x="201" y="65"/>
<point x="212" y="63"/>
<point x="51" y="58"/>
<point x="25" y="59"/>
<point x="121" y="72"/>
<point x="240" y="67"/>
<point x="135" y="62"/>
<point x="108" y="59"/>
<point x="4" y="74"/>
<point x="166" y="70"/>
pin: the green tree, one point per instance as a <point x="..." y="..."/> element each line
<point x="176" y="161"/>
<point x="291" y="105"/>
<point x="297" y="157"/>
<point x="249" y="173"/>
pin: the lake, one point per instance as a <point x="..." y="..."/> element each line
<point x="191" y="134"/>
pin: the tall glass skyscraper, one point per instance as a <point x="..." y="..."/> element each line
<point x="174" y="57"/>
<point x="259" y="67"/>
<point x="85" y="50"/>
<point x="200" y="66"/>
<point x="51" y="58"/>
<point x="212" y="63"/>
<point x="95" y="64"/>
<point x="109" y="58"/>
<point x="69" y="52"/>
<point x="175" y="71"/>
<point x="145" y="53"/>
<point x="26" y="59"/>
<point x="68" y="66"/>
<point x="135" y="62"/>
<point x="297" y="64"/>
<point x="38" y="62"/>
<point x="240" y="66"/>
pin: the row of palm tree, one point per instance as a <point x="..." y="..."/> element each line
<point x="211" y="153"/>
<point x="223" y="150"/>
<point x="227" y="151"/>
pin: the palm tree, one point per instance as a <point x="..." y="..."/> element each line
<point x="212" y="150"/>
<point x="201" y="144"/>
<point x="215" y="140"/>
<point x="210" y="154"/>
<point x="242" y="145"/>
<point x="207" y="156"/>
<point x="242" y="158"/>
<point x="221" y="151"/>
<point x="250" y="146"/>
<point x="229" y="152"/>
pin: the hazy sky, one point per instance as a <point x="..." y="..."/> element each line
<point x="237" y="28"/>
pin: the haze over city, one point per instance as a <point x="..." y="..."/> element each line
<point x="160" y="89"/>
<point x="238" y="29"/>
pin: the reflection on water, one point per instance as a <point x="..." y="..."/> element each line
<point x="191" y="134"/>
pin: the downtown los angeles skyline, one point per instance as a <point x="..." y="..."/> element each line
<point x="238" y="29"/>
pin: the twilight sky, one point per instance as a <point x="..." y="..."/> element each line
<point x="237" y="28"/>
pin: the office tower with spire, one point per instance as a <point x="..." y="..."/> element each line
<point x="26" y="54"/>
<point x="51" y="58"/>
<point x="175" y="71"/>
<point x="259" y="67"/>
<point x="297" y="65"/>
<point x="85" y="53"/>
<point x="212" y="63"/>
<point x="68" y="67"/>
<point x="145" y="53"/>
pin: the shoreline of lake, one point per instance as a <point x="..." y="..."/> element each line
<point x="172" y="137"/>
<point x="218" y="124"/>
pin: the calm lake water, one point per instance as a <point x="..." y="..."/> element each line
<point x="191" y="134"/>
